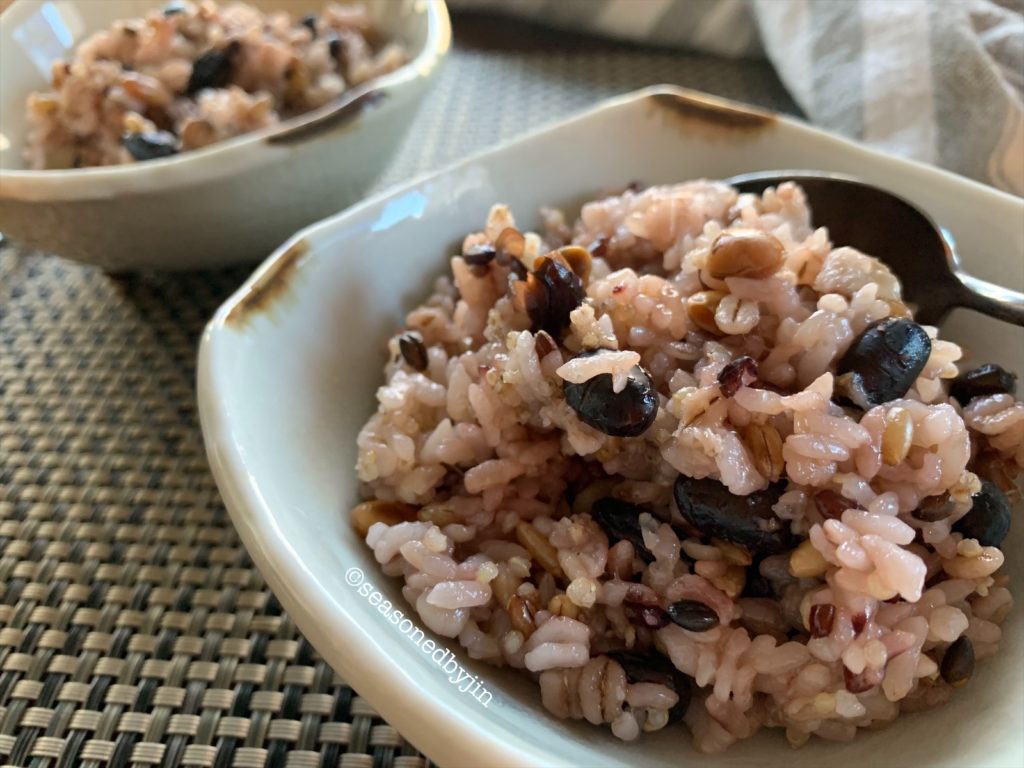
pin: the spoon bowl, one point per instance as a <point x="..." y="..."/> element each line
<point x="921" y="254"/>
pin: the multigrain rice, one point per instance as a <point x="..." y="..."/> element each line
<point x="195" y="73"/>
<point x="566" y="552"/>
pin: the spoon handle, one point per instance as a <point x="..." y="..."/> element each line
<point x="991" y="299"/>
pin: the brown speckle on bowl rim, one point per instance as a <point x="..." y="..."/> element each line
<point x="268" y="285"/>
<point x="712" y="113"/>
<point x="338" y="115"/>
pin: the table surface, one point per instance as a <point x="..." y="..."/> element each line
<point x="134" y="629"/>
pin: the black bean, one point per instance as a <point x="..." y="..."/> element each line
<point x="713" y="510"/>
<point x="413" y="350"/>
<point x="652" y="668"/>
<point x="628" y="413"/>
<point x="650" y="616"/>
<point x="958" y="662"/>
<point x="989" y="518"/>
<point x="211" y="70"/>
<point x="693" y="615"/>
<point x="822" y="616"/>
<point x="480" y="255"/>
<point x="988" y="379"/>
<point x="644" y="668"/>
<point x="683" y="687"/>
<point x="334" y="45"/>
<point x="150" y="145"/>
<point x="882" y="363"/>
<point x="831" y="505"/>
<point x="553" y="290"/>
<point x="309" y="22"/>
<point x="741" y="372"/>
<point x="620" y="520"/>
<point x="935" y="508"/>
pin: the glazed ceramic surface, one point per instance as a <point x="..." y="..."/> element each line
<point x="233" y="201"/>
<point x="289" y="366"/>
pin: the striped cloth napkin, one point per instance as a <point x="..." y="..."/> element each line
<point x="940" y="81"/>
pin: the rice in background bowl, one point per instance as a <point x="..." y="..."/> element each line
<point x="195" y="73"/>
<point x="551" y="525"/>
<point x="130" y="216"/>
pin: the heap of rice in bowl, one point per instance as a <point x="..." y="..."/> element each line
<point x="687" y="461"/>
<point x="194" y="73"/>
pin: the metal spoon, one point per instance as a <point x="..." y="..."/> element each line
<point x="880" y="224"/>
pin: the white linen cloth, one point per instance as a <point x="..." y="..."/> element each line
<point x="940" y="81"/>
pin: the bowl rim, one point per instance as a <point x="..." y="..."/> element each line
<point x="229" y="155"/>
<point x="699" y="102"/>
<point x="432" y="729"/>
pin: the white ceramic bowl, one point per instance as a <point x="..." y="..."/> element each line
<point x="230" y="202"/>
<point x="289" y="366"/>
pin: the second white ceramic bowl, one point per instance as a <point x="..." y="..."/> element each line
<point x="290" y="364"/>
<point x="230" y="202"/>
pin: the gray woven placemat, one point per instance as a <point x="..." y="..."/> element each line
<point x="134" y="629"/>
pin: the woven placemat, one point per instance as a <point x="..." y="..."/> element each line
<point x="134" y="629"/>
